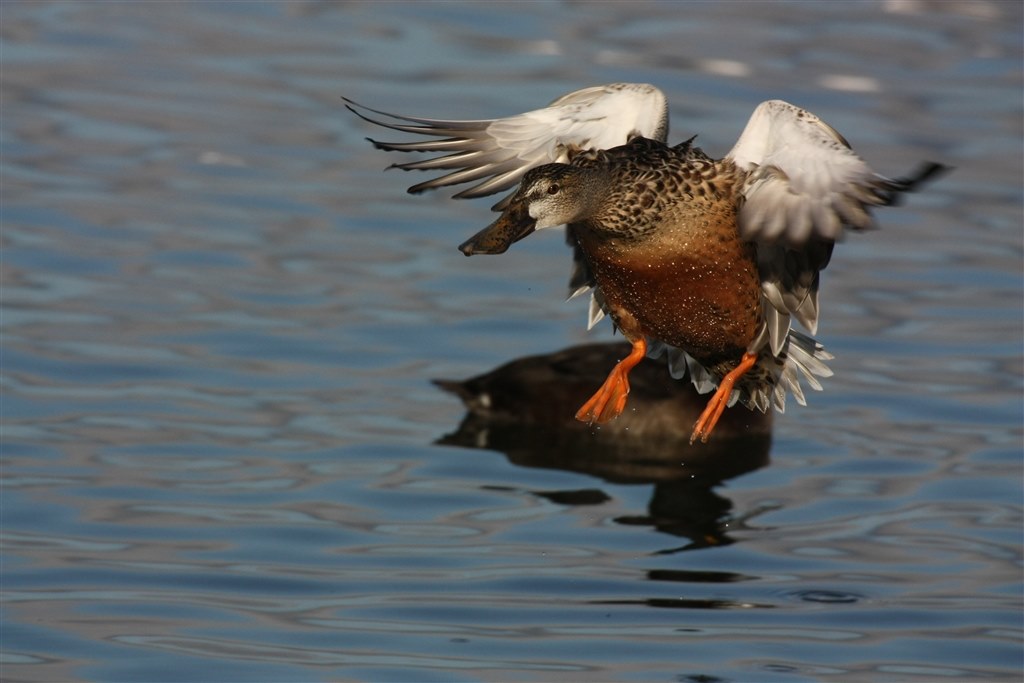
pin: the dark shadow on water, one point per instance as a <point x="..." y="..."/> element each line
<point x="525" y="410"/>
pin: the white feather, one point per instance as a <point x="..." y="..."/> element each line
<point x="804" y="178"/>
<point x="497" y="152"/>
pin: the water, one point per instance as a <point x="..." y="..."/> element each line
<point x="224" y="458"/>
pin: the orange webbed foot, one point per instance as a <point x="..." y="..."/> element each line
<point x="610" y="400"/>
<point x="716" y="406"/>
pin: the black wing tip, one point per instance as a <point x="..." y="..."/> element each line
<point x="925" y="172"/>
<point x="354" y="107"/>
<point x="390" y="147"/>
<point x="361" y="109"/>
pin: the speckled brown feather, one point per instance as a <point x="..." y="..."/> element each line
<point x="665" y="251"/>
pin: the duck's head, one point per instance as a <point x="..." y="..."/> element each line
<point x="548" y="196"/>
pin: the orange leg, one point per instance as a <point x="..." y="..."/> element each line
<point x="709" y="418"/>
<point x="610" y="399"/>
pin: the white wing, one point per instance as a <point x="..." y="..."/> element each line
<point x="804" y="179"/>
<point x="804" y="186"/>
<point x="495" y="153"/>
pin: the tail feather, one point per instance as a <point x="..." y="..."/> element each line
<point x="681" y="363"/>
<point x="801" y="361"/>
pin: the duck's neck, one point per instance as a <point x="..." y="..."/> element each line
<point x="593" y="193"/>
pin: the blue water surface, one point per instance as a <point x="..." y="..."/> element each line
<point x="223" y="454"/>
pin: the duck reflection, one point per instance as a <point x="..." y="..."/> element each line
<point x="525" y="409"/>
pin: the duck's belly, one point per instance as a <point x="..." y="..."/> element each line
<point x="709" y="306"/>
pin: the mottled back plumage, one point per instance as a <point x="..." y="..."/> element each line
<point x="647" y="179"/>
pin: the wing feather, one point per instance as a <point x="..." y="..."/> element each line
<point x="803" y="187"/>
<point x="804" y="181"/>
<point x="497" y="152"/>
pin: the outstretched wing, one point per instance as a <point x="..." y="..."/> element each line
<point x="803" y="179"/>
<point x="495" y="153"/>
<point x="803" y="188"/>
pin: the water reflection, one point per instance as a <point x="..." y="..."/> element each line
<point x="525" y="410"/>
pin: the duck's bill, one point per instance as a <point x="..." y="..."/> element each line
<point x="497" y="237"/>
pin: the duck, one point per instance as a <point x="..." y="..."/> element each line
<point x="705" y="262"/>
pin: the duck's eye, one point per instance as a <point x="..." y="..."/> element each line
<point x="554" y="188"/>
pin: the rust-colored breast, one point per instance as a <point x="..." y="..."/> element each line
<point x="690" y="281"/>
